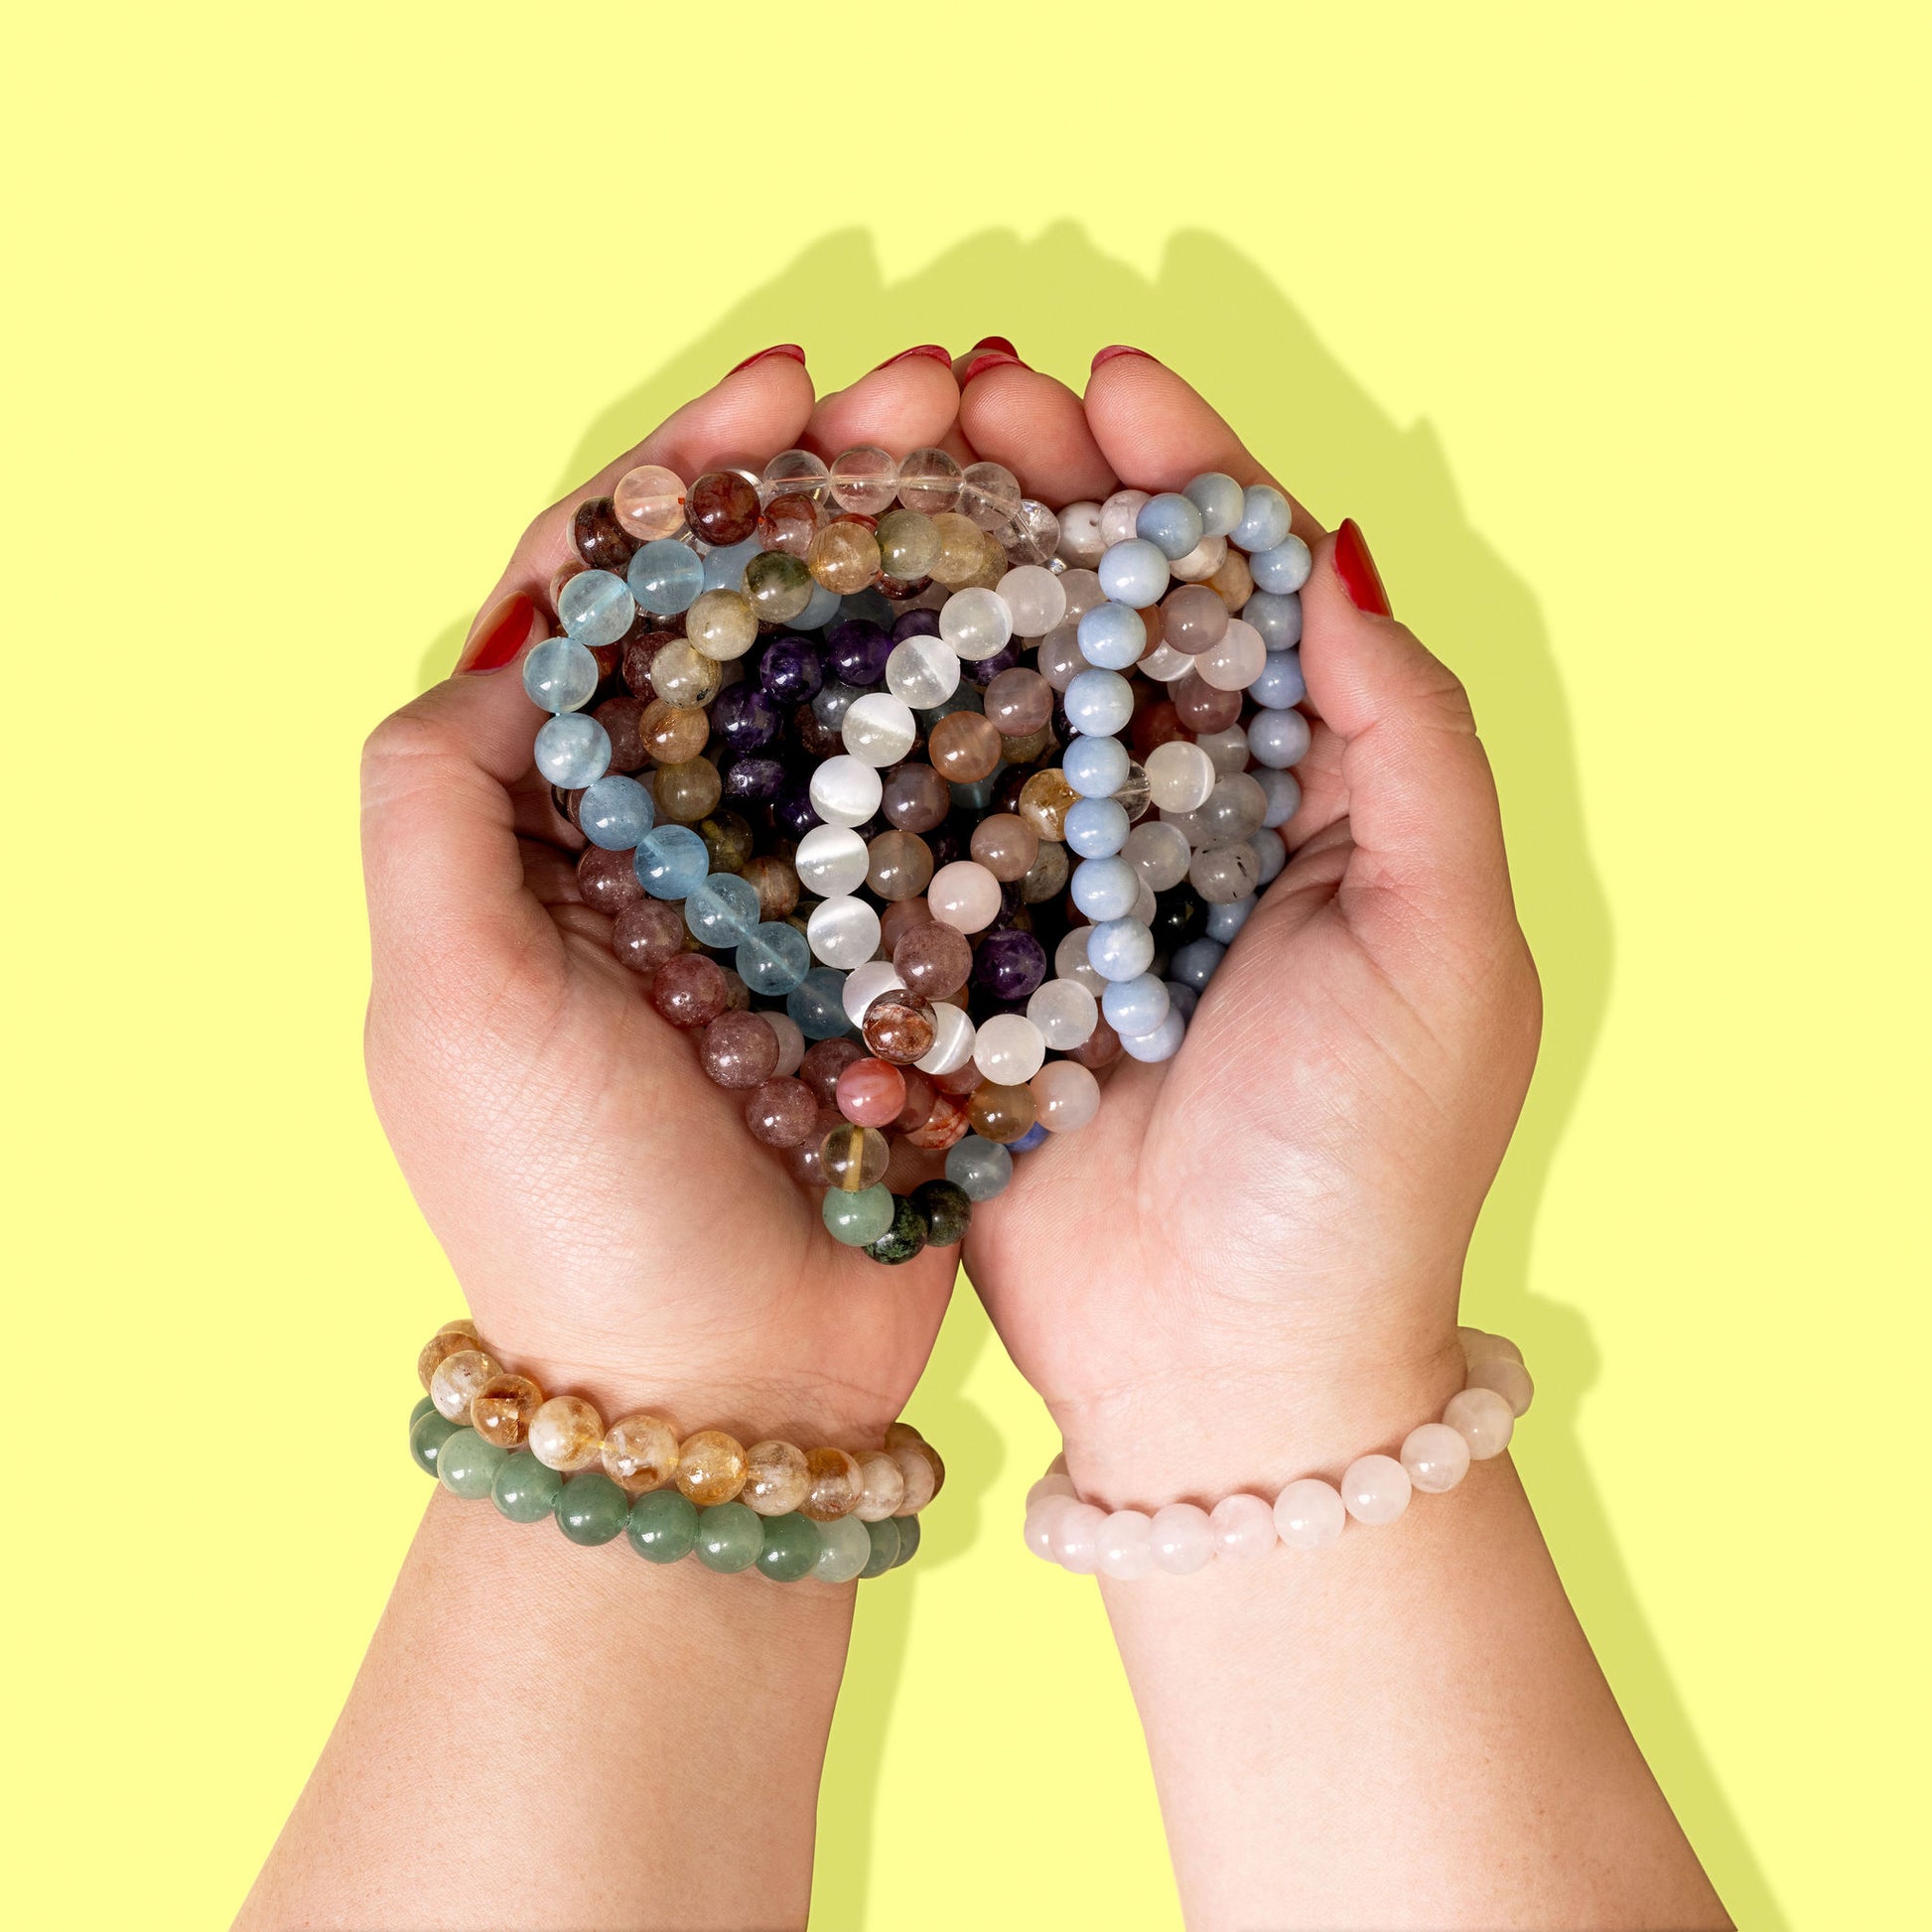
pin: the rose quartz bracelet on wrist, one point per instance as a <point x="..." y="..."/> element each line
<point x="1310" y="1514"/>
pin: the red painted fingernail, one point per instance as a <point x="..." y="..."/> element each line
<point x="930" y="350"/>
<point x="1118" y="349"/>
<point x="994" y="342"/>
<point x="500" y="635"/>
<point x="1356" y="569"/>
<point x="989" y="358"/>
<point x="792" y="350"/>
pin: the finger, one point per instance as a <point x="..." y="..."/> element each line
<point x="1157" y="433"/>
<point x="1035" y="424"/>
<point x="909" y="403"/>
<point x="549" y="876"/>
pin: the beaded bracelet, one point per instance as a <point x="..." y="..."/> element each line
<point x="918" y="682"/>
<point x="1308" y="1514"/>
<point x="484" y="1430"/>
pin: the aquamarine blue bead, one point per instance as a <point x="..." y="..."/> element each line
<point x="1096" y="768"/>
<point x="1105" y="889"/>
<point x="467" y="1464"/>
<point x="772" y="958"/>
<point x="427" y="1435"/>
<point x="1135" y="1006"/>
<point x="1133" y="572"/>
<point x="560" y="674"/>
<point x="1099" y="703"/>
<point x="671" y="858"/>
<point x="730" y="1536"/>
<point x="979" y="1168"/>
<point x="1159" y="1045"/>
<point x="1096" y="828"/>
<point x="819" y="612"/>
<point x="1120" y="949"/>
<point x="663" y="1526"/>
<point x="1034" y="1136"/>
<point x="883" y="1540"/>
<point x="1195" y="963"/>
<point x="1271" y="855"/>
<point x="1278" y="739"/>
<point x="590" y="1508"/>
<point x="909" y="1534"/>
<point x="525" y="1490"/>
<point x="1112" y="636"/>
<point x="1265" y="519"/>
<point x="788" y="1550"/>
<point x="1277" y="617"/>
<point x="1220" y="500"/>
<point x="844" y="1549"/>
<point x="722" y="909"/>
<point x="595" y="608"/>
<point x="615" y="813"/>
<point x="1284" y="569"/>
<point x="573" y="751"/>
<point x="1224" y="922"/>
<point x="858" y="1218"/>
<point x="1172" y="522"/>
<point x="1283" y="790"/>
<point x="1281" y="683"/>
<point x="665" y="576"/>
<point x="724" y="569"/>
<point x="818" y="1004"/>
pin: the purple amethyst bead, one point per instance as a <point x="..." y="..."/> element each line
<point x="1010" y="965"/>
<point x="792" y="811"/>
<point x="745" y="718"/>
<point x="753" y="781"/>
<point x="855" y="652"/>
<point x="916" y="624"/>
<point x="790" y="670"/>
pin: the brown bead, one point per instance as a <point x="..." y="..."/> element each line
<point x="899" y="919"/>
<point x="608" y="880"/>
<point x="789" y="523"/>
<point x="960" y="1081"/>
<point x="815" y="738"/>
<point x="933" y="959"/>
<point x="1019" y="701"/>
<point x="964" y="747"/>
<point x="1006" y="844"/>
<point x="1234" y="581"/>
<point x="620" y="718"/>
<point x="565" y="571"/>
<point x="500" y="1411"/>
<point x="687" y="792"/>
<point x="919" y="1092"/>
<point x="1200" y="707"/>
<point x="1048" y="876"/>
<point x="648" y="932"/>
<point x="801" y="1161"/>
<point x="898" y="1027"/>
<point x="672" y="733"/>
<point x="726" y="841"/>
<point x="447" y="1341"/>
<point x="782" y="1113"/>
<point x="899" y="865"/>
<point x="1029" y="750"/>
<point x="777" y="882"/>
<point x="1156" y="725"/>
<point x="1044" y="801"/>
<point x="898" y="1433"/>
<point x="710" y="1467"/>
<point x="835" y="1484"/>
<point x="824" y="1061"/>
<point x="638" y="657"/>
<point x="598" y="538"/>
<point x="1002" y="1113"/>
<point x="639" y="1453"/>
<point x="776" y="1478"/>
<point x="457" y="1377"/>
<point x="853" y="1158"/>
<point x="914" y="798"/>
<point x="721" y="506"/>
<point x="738" y="1050"/>
<point x="689" y="991"/>
<point x="958" y="559"/>
<point x="844" y="556"/>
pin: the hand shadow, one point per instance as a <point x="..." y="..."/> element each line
<point x="1215" y="315"/>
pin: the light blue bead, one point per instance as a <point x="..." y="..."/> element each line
<point x="1112" y="635"/>
<point x="573" y="751"/>
<point x="1282" y="791"/>
<point x="1027" y="1141"/>
<point x="615" y="813"/>
<point x="595" y="608"/>
<point x="822" y="608"/>
<point x="1278" y="619"/>
<point x="1220" y="499"/>
<point x="1135" y="1006"/>
<point x="1120" y="949"/>
<point x="1105" y="889"/>
<point x="670" y="859"/>
<point x="1099" y="703"/>
<point x="724" y="569"/>
<point x="1224" y="922"/>
<point x="774" y="958"/>
<point x="1172" y="522"/>
<point x="1264" y="519"/>
<point x="722" y="909"/>
<point x="1096" y="828"/>
<point x="1195" y="963"/>
<point x="869" y="606"/>
<point x="560" y="674"/>
<point x="1281" y="682"/>
<point x="665" y="577"/>
<point x="1133" y="572"/>
<point x="979" y="1168"/>
<point x="977" y="796"/>
<point x="1278" y="739"/>
<point x="1284" y="569"/>
<point x="1182" y="998"/>
<point x="1272" y="854"/>
<point x="818" y="1004"/>
<point x="1162" y="1044"/>
<point x="1096" y="768"/>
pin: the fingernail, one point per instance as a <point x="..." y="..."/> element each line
<point x="1356" y="569"/>
<point x="930" y="350"/>
<point x="989" y="358"/>
<point x="500" y="635"/>
<point x="1117" y="349"/>
<point x="792" y="350"/>
<point x="995" y="341"/>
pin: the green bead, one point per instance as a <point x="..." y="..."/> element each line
<point x="427" y="1435"/>
<point x="420" y="1411"/>
<point x="908" y="1539"/>
<point x="467" y="1465"/>
<point x="905" y="1237"/>
<point x="590" y="1508"/>
<point x="948" y="1210"/>
<point x="844" y="1550"/>
<point x="525" y="1490"/>
<point x="730" y="1536"/>
<point x="790" y="1548"/>
<point x="883" y="1536"/>
<point x="663" y="1526"/>
<point x="857" y="1219"/>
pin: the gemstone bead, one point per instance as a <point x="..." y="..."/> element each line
<point x="728" y="1537"/>
<point x="501" y="1410"/>
<point x="788" y="1547"/>
<point x="1436" y="1456"/>
<point x="964" y="747"/>
<point x="573" y="751"/>
<point x="883" y="1537"/>
<point x="649" y="501"/>
<point x="590" y="1508"/>
<point x="560" y="674"/>
<point x="427" y="1435"/>
<point x="834" y="1483"/>
<point x="689" y="991"/>
<point x="525" y="1490"/>
<point x="1075" y="1537"/>
<point x="711" y="1466"/>
<point x="447" y="1341"/>
<point x="457" y="1380"/>
<point x="1244" y="1528"/>
<point x="1066" y="1095"/>
<point x="871" y="1092"/>
<point x="843" y="1548"/>
<point x="1509" y="1379"/>
<point x="1181" y="1539"/>
<point x="776" y="1478"/>
<point x="980" y="1168"/>
<point x="853" y="1158"/>
<point x="1375" y="1488"/>
<point x="467" y="1464"/>
<point x="566" y="1432"/>
<point x="646" y="934"/>
<point x="1310" y="1514"/>
<point x="899" y="1026"/>
<point x="1483" y="1420"/>
<point x="882" y="1486"/>
<point x="722" y="507"/>
<point x="639" y="1453"/>
<point x="662" y="1526"/>
<point x="793" y="472"/>
<point x="665" y="577"/>
<point x="1124" y="1546"/>
<point x="858" y="1218"/>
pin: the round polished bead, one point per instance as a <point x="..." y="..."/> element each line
<point x="864" y="478"/>
<point x="1125" y="1545"/>
<point x="871" y="1093"/>
<point x="451" y="1339"/>
<point x="649" y="501"/>
<point x="614" y="813"/>
<point x="1064" y="1011"/>
<point x="788" y="1547"/>
<point x="1096" y="828"/>
<point x="771" y="959"/>
<point x="879" y="729"/>
<point x="1310" y="1514"/>
<point x="501" y="1410"/>
<point x="1479" y="1345"/>
<point x="1220" y="500"/>
<point x="1006" y="844"/>
<point x="1019" y="701"/>
<point x="1042" y="1515"/>
<point x="662" y="1526"/>
<point x="590" y="1508"/>
<point x="690" y="991"/>
<point x="1099" y="703"/>
<point x="1181" y="1539"/>
<point x="1066" y="1095"/>
<point x="1510" y="1380"/>
<point x="845" y="793"/>
<point x="843" y="1546"/>
<point x="1120" y="949"/>
<point x="672" y="861"/>
<point x="1000" y="1113"/>
<point x="1277" y="740"/>
<point x="1008" y="1048"/>
<point x="793" y="472"/>
<point x="1195" y="963"/>
<point x="928" y="482"/>
<point x="831" y="860"/>
<point x="1120" y="514"/>
<point x="1179" y="777"/>
<point x="865" y="984"/>
<point x="918" y="1462"/>
<point x="1010" y="964"/>
<point x="1436" y="1456"/>
<point x="1284" y="569"/>
<point x="979" y="1168"/>
<point x="909" y="545"/>
<point x="1224" y="873"/>
<point x="1375" y="1488"/>
<point x="1105" y="889"/>
<point x="782" y="1113"/>
<point x="833" y="1484"/>
<point x="964" y="895"/>
<point x="711" y="1466"/>
<point x="884" y="1538"/>
<point x="1073" y="1538"/>
<point x="858" y="1218"/>
<point x="853" y="1158"/>
<point x="989" y="494"/>
<point x="1135" y="1006"/>
<point x="965" y="747"/>
<point x="1236" y="661"/>
<point x="560" y="674"/>
<point x="951" y="1051"/>
<point x="525" y="1490"/>
<point x="427" y="1435"/>
<point x="1056" y="1483"/>
<point x="1095" y="767"/>
<point x="776" y="1478"/>
<point x="778" y="587"/>
<point x="976" y="624"/>
<point x="1244" y="1528"/>
<point x="947" y="1211"/>
<point x="899" y="1026"/>
<point x="722" y="909"/>
<point x="595" y="608"/>
<point x="933" y="960"/>
<point x="573" y="751"/>
<point x="721" y="506"/>
<point x="923" y="672"/>
<point x="1172" y="522"/>
<point x="842" y="556"/>
<point x="457" y="1379"/>
<point x="639" y="1453"/>
<point x="666" y="578"/>
<point x="728" y="1537"/>
<point x="683" y="676"/>
<point x="1033" y="599"/>
<point x="721" y="624"/>
<point x="1265" y="519"/>
<point x="566" y="1432"/>
<point x="1162" y="1044"/>
<point x="467" y="1464"/>
<point x="1133" y="572"/>
<point x="648" y="933"/>
<point x="844" y="931"/>
<point x="882" y="1486"/>
<point x="1081" y="543"/>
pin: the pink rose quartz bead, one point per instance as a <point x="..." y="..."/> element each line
<point x="1126" y="1552"/>
<point x="1040" y="1519"/>
<point x="1483" y="1420"/>
<point x="1436" y="1456"/>
<point x="1479" y="1345"/>
<point x="1310" y="1514"/>
<point x="1510" y="1380"/>
<point x="1056" y="1483"/>
<point x="1376" y="1488"/>
<point x="1181" y="1539"/>
<point x="1075" y="1537"/>
<point x="1244" y="1528"/>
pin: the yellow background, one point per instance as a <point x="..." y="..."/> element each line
<point x="1610" y="326"/>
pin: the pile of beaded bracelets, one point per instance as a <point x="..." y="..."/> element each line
<point x="484" y="1431"/>
<point x="1310" y="1514"/>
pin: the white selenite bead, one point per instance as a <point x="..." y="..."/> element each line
<point x="830" y="860"/>
<point x="1179" y="775"/>
<point x="1126" y="1552"/>
<point x="846" y="792"/>
<point x="1244" y="1528"/>
<point x="952" y="1040"/>
<point x="1310" y="1514"/>
<point x="1075" y="1538"/>
<point x="864" y="984"/>
<point x="1375" y="1488"/>
<point x="1510" y="1380"/>
<point x="843" y="931"/>
<point x="1483" y="1420"/>
<point x="923" y="672"/>
<point x="1080" y="540"/>
<point x="1182" y="1537"/>
<point x="973" y="625"/>
<point x="879" y="729"/>
<point x="1008" y="1049"/>
<point x="1436" y="1456"/>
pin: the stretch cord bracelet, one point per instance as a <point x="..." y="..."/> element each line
<point x="830" y="1514"/>
<point x="1310" y="1514"/>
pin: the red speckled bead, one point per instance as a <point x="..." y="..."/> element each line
<point x="871" y="1093"/>
<point x="648" y="930"/>
<point x="738" y="1051"/>
<point x="945" y="1123"/>
<point x="777" y="882"/>
<point x="898" y="1027"/>
<point x="619" y="716"/>
<point x="608" y="880"/>
<point x="721" y="506"/>
<point x="933" y="960"/>
<point x="824" y="1061"/>
<point x="790" y="523"/>
<point x="782" y="1113"/>
<point x="899" y="919"/>
<point x="598" y="538"/>
<point x="689" y="991"/>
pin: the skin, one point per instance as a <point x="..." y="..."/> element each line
<point x="1245" y="1270"/>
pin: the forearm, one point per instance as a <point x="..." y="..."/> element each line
<point x="549" y="1735"/>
